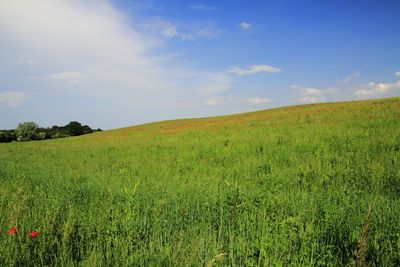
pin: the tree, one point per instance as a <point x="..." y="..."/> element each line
<point x="74" y="128"/>
<point x="3" y="137"/>
<point x="7" y="136"/>
<point x="26" y="131"/>
<point x="41" y="135"/>
<point x="86" y="129"/>
<point x="59" y="135"/>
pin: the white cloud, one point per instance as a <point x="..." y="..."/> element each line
<point x="373" y="89"/>
<point x="213" y="101"/>
<point x="351" y="77"/>
<point x="208" y="30"/>
<point x="65" y="29"/>
<point x="258" y="100"/>
<point x="212" y="84"/>
<point x="254" y="69"/>
<point x="13" y="98"/>
<point x="310" y="95"/>
<point x="363" y="93"/>
<point x="167" y="29"/>
<point x="312" y="91"/>
<point x="72" y="77"/>
<point x="397" y="73"/>
<point x="344" y="90"/>
<point x="244" y="104"/>
<point x="385" y="87"/>
<point x="245" y="25"/>
<point x="202" y="7"/>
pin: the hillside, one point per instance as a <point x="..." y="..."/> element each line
<point x="312" y="185"/>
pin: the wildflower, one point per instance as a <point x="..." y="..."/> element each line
<point x="33" y="234"/>
<point x="12" y="231"/>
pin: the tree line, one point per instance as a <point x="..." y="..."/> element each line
<point x="27" y="131"/>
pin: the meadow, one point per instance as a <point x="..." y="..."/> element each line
<point x="311" y="185"/>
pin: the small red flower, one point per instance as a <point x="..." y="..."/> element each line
<point x="33" y="234"/>
<point x="12" y="231"/>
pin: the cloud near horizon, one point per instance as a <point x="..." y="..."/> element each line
<point x="309" y="95"/>
<point x="345" y="90"/>
<point x="238" y="102"/>
<point x="373" y="89"/>
<point x="258" y="100"/>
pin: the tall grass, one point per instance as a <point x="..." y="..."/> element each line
<point x="282" y="187"/>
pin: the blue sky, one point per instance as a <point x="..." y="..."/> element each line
<point x="118" y="63"/>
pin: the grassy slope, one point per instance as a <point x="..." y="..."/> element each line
<point x="282" y="186"/>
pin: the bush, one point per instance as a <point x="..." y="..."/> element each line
<point x="41" y="135"/>
<point x="59" y="135"/>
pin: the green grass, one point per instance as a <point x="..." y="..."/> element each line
<point x="288" y="186"/>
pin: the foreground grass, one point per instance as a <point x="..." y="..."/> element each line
<point x="300" y="186"/>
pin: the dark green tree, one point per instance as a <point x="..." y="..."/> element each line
<point x="3" y="137"/>
<point x="74" y="128"/>
<point x="86" y="129"/>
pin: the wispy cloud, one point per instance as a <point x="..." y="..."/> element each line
<point x="212" y="83"/>
<point x="258" y="100"/>
<point x="340" y="90"/>
<point x="345" y="90"/>
<point x="351" y="77"/>
<point x="245" y="25"/>
<point x="213" y="101"/>
<point x="254" y="69"/>
<point x="13" y="98"/>
<point x="373" y="89"/>
<point x="168" y="29"/>
<point x="378" y="89"/>
<point x="70" y="76"/>
<point x="164" y="28"/>
<point x="241" y="103"/>
<point x="309" y="95"/>
<point x="202" y="7"/>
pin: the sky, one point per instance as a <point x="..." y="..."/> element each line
<point x="117" y="63"/>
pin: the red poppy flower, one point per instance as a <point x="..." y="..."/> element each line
<point x="12" y="231"/>
<point x="33" y="234"/>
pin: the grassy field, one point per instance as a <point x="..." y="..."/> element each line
<point x="313" y="185"/>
